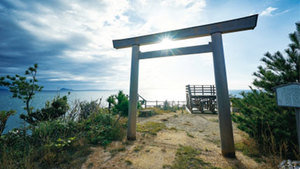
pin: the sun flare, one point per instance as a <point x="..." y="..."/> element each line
<point x="166" y="43"/>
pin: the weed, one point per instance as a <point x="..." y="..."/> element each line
<point x="166" y="166"/>
<point x="214" y="120"/>
<point x="173" y="128"/>
<point x="150" y="127"/>
<point x="164" y="120"/>
<point x="90" y="165"/>
<point x="190" y="135"/>
<point x="138" y="148"/>
<point x="113" y="152"/>
<point x="249" y="148"/>
<point x="146" y="113"/>
<point x="215" y="141"/>
<point x="188" y="157"/>
<point x="128" y="162"/>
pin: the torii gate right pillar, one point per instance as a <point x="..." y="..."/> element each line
<point x="225" y="124"/>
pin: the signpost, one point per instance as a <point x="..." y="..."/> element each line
<point x="288" y="95"/>
<point x="214" y="30"/>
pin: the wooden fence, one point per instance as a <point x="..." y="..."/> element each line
<point x="158" y="103"/>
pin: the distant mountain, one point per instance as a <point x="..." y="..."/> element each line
<point x="65" y="89"/>
<point x="2" y="89"/>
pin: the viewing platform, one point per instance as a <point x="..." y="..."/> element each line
<point x="200" y="98"/>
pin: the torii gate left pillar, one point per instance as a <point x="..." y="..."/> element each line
<point x="216" y="47"/>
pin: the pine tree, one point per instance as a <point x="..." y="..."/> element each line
<point x="273" y="127"/>
<point x="279" y="69"/>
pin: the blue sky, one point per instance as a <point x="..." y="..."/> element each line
<point x="72" y="41"/>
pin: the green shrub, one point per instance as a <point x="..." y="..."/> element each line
<point x="87" y="108"/>
<point x="57" y="108"/>
<point x="118" y="104"/>
<point x="15" y="138"/>
<point x="4" y="115"/>
<point x="111" y="101"/>
<point x="168" y="107"/>
<point x="54" y="143"/>
<point x="50" y="131"/>
<point x="270" y="125"/>
<point x="16" y="150"/>
<point x="102" y="128"/>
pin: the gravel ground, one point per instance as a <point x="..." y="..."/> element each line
<point x="200" y="131"/>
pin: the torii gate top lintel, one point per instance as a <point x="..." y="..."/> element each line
<point x="235" y="25"/>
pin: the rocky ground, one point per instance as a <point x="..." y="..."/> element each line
<point x="159" y="149"/>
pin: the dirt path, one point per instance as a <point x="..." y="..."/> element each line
<point x="200" y="131"/>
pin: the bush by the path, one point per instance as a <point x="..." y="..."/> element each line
<point x="53" y="143"/>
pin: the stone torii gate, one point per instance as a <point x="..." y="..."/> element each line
<point x="214" y="30"/>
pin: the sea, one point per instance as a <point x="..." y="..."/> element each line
<point x="9" y="103"/>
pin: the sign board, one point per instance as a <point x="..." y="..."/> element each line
<point x="288" y="95"/>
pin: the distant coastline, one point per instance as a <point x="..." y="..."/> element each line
<point x="70" y="90"/>
<point x="232" y="92"/>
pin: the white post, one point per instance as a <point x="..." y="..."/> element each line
<point x="133" y="94"/>
<point x="225" y="124"/>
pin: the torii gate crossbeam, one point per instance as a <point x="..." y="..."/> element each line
<point x="214" y="30"/>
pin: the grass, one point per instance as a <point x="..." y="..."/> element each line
<point x="190" y="135"/>
<point x="150" y="127"/>
<point x="128" y="162"/>
<point x="58" y="143"/>
<point x="158" y="110"/>
<point x="249" y="148"/>
<point x="45" y="157"/>
<point x="214" y="120"/>
<point x="113" y="152"/>
<point x="173" y="128"/>
<point x="215" y="140"/>
<point x="138" y="148"/>
<point x="188" y="157"/>
<point x="146" y="113"/>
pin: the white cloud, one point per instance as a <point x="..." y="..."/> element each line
<point x="268" y="12"/>
<point x="91" y="27"/>
<point x="168" y="14"/>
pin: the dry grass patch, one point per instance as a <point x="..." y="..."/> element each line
<point x="249" y="148"/>
<point x="188" y="157"/>
<point x="151" y="127"/>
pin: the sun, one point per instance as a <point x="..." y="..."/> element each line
<point x="166" y="43"/>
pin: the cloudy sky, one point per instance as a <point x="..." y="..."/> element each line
<point x="71" y="40"/>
